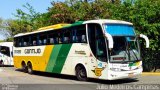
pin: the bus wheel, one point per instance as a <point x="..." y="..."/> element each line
<point x="24" y="67"/>
<point x="29" y="67"/>
<point x="81" y="73"/>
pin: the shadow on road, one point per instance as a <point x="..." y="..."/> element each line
<point x="120" y="81"/>
<point x="6" y="66"/>
<point x="60" y="76"/>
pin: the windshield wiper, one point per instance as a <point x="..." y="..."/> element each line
<point x="126" y="53"/>
<point x="135" y="55"/>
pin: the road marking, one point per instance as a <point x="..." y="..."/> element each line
<point x="150" y="74"/>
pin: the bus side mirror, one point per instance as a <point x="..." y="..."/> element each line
<point x="110" y="40"/>
<point x="146" y="39"/>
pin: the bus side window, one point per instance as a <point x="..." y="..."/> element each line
<point x="61" y="39"/>
<point x="20" y="44"/>
<point x="66" y="39"/>
<point x="34" y="43"/>
<point x="81" y="34"/>
<point x="83" y="38"/>
<point x="51" y="40"/>
<point x="55" y="37"/>
<point x="25" y="41"/>
<point x="74" y="37"/>
<point x="67" y="35"/>
<point x="33" y="40"/>
<point x="16" y="42"/>
<point x="44" y="41"/>
<point x="40" y="42"/>
<point x="55" y="40"/>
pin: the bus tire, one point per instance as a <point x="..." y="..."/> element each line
<point x="81" y="73"/>
<point x="24" y="67"/>
<point x="29" y="67"/>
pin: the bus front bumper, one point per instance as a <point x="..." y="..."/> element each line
<point x="113" y="75"/>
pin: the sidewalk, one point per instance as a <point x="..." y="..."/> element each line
<point x="150" y="73"/>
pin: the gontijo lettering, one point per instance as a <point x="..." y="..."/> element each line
<point x="32" y="51"/>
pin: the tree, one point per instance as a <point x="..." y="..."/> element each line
<point x="5" y="33"/>
<point x="71" y="11"/>
<point x="26" y="22"/>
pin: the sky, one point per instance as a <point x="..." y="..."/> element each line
<point x="8" y="7"/>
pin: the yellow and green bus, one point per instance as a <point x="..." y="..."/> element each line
<point x="101" y="49"/>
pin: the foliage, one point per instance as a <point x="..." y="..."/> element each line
<point x="26" y="22"/>
<point x="74" y="10"/>
<point x="5" y="33"/>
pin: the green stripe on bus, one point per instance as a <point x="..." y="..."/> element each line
<point x="53" y="57"/>
<point x="63" y="53"/>
<point x="132" y="64"/>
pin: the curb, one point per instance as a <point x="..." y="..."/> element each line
<point x="150" y="74"/>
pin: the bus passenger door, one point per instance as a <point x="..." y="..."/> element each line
<point x="98" y="48"/>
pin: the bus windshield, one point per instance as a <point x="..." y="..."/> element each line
<point x="125" y="49"/>
<point x="126" y="46"/>
<point x="5" y="50"/>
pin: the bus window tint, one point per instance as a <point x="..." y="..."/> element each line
<point x="20" y="42"/>
<point x="67" y="34"/>
<point x="79" y="34"/>
<point x="5" y="50"/>
<point x="55" y="38"/>
<point x="75" y="34"/>
<point x="16" y="42"/>
<point x="60" y="37"/>
<point x="52" y="37"/>
<point x="42" y="39"/>
<point x="74" y="37"/>
<point x="33" y="40"/>
<point x="25" y="41"/>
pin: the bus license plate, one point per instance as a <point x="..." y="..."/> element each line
<point x="130" y="75"/>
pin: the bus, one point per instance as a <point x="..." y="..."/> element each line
<point x="101" y="49"/>
<point x="6" y="53"/>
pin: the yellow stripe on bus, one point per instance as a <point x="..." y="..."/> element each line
<point x="42" y="61"/>
<point x="56" y="26"/>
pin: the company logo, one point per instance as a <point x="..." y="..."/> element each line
<point x="32" y="51"/>
<point x="98" y="71"/>
<point x="80" y="52"/>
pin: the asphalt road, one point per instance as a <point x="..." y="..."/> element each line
<point x="13" y="79"/>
